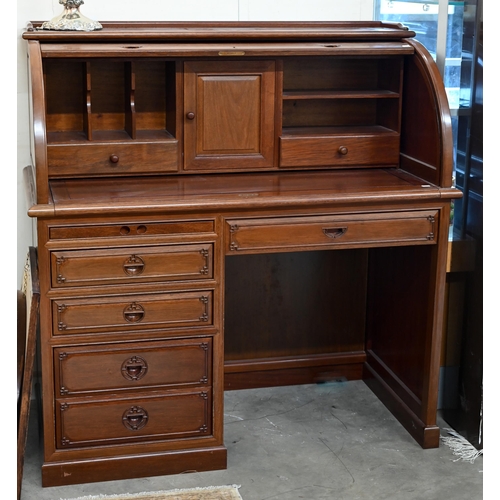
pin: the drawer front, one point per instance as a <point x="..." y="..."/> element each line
<point x="103" y="368"/>
<point x="133" y="312"/>
<point x="362" y="230"/>
<point x="81" y="423"/>
<point x="131" y="265"/>
<point x="128" y="230"/>
<point x="339" y="151"/>
<point x="111" y="158"/>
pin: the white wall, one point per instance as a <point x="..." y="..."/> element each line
<point x="151" y="10"/>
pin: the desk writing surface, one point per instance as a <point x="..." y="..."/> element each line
<point x="216" y="192"/>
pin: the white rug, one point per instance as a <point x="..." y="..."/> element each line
<point x="209" y="493"/>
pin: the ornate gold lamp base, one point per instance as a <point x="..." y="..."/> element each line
<point x="71" y="19"/>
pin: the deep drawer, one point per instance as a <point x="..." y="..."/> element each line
<point x="131" y="265"/>
<point x="81" y="423"/>
<point x="126" y="230"/>
<point x="103" y="368"/>
<point x="360" y="230"/>
<point x="111" y="158"/>
<point x="132" y="312"/>
<point x="339" y="151"/>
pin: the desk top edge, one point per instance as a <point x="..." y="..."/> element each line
<point x="237" y="30"/>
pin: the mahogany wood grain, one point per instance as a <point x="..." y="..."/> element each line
<point x="231" y="205"/>
<point x="134" y="312"/>
<point x="226" y="50"/>
<point x="38" y="129"/>
<point x="142" y="366"/>
<point x="28" y="309"/>
<point x="131" y="265"/>
<point x="267" y="316"/>
<point x="109" y="422"/>
<point x="257" y="377"/>
<point x="246" y="30"/>
<point x="426" y="134"/>
<point x="229" y="109"/>
<point x="108" y="158"/>
<point x="134" y="465"/>
<point x="337" y="151"/>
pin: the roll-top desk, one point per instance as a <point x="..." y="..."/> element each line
<point x="226" y="206"/>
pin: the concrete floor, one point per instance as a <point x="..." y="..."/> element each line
<point x="332" y="441"/>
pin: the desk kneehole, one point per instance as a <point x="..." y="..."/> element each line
<point x="349" y="231"/>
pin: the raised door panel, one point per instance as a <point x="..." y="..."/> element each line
<point x="229" y="115"/>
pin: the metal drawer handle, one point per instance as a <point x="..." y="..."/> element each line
<point x="335" y="232"/>
<point x="135" y="418"/>
<point x="134" y="368"/>
<point x="134" y="313"/>
<point x="134" y="265"/>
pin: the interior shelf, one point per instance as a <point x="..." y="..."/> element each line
<point x="337" y="131"/>
<point x="339" y="94"/>
<point x="105" y="136"/>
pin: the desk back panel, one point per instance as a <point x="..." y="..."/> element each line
<point x="294" y="304"/>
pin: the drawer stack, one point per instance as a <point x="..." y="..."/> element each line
<point x="134" y="332"/>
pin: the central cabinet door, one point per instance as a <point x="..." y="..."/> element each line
<point x="229" y="115"/>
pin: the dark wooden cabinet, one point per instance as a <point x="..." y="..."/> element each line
<point x="225" y="206"/>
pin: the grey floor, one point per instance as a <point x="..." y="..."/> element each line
<point x="331" y="441"/>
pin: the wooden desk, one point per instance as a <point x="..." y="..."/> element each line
<point x="226" y="206"/>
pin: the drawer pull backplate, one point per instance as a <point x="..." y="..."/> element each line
<point x="135" y="418"/>
<point x="335" y="232"/>
<point x="134" y="368"/>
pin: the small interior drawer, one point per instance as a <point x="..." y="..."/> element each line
<point x="128" y="230"/>
<point x="168" y="416"/>
<point x="111" y="158"/>
<point x="131" y="265"/>
<point x="132" y="312"/>
<point x="151" y="365"/>
<point x="339" y="151"/>
<point x="350" y="231"/>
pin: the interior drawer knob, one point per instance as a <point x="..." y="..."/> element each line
<point x="114" y="158"/>
<point x="343" y="150"/>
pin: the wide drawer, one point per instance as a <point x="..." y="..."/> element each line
<point x="131" y="265"/>
<point x="150" y="365"/>
<point x="359" y="230"/>
<point x="170" y="416"/>
<point x="111" y="158"/>
<point x="338" y="150"/>
<point x="132" y="312"/>
<point x="127" y="230"/>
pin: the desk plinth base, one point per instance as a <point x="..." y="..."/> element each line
<point x="427" y="436"/>
<point x="130" y="467"/>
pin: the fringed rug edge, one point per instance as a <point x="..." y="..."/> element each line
<point x="159" y="493"/>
